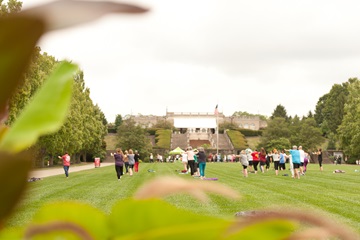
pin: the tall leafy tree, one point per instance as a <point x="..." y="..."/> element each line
<point x="279" y="112"/>
<point x="277" y="128"/>
<point x="329" y="110"/>
<point x="280" y="143"/>
<point x="294" y="127"/>
<point x="83" y="132"/>
<point x="118" y="120"/>
<point x="349" y="129"/>
<point x="133" y="136"/>
<point x="333" y="111"/>
<point x="310" y="136"/>
<point x="318" y="116"/>
<point x="40" y="67"/>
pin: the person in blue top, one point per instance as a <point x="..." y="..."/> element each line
<point x="295" y="155"/>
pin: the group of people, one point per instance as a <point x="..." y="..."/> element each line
<point x="129" y="159"/>
<point x="194" y="161"/>
<point x="298" y="160"/>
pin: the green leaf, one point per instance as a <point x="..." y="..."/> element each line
<point x="14" y="171"/>
<point x="156" y="219"/>
<point x="272" y="229"/>
<point x="18" y="36"/>
<point x="45" y="113"/>
<point x="85" y="217"/>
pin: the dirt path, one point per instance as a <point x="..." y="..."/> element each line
<point x="47" y="172"/>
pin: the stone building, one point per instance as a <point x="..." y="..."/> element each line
<point x="202" y="122"/>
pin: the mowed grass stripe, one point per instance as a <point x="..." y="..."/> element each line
<point x="336" y="195"/>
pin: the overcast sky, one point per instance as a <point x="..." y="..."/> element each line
<point x="189" y="55"/>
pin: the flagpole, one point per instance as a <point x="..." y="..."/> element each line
<point x="217" y="134"/>
<point x="217" y="129"/>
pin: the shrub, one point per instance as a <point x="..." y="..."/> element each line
<point x="250" y="133"/>
<point x="163" y="138"/>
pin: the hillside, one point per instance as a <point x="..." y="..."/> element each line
<point x="110" y="140"/>
<point x="253" y="141"/>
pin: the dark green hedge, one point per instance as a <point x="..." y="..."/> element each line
<point x="111" y="130"/>
<point x="250" y="133"/>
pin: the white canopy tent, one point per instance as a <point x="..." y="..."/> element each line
<point x="195" y="122"/>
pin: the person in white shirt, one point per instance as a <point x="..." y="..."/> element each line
<point x="302" y="157"/>
<point x="276" y="159"/>
<point x="184" y="160"/>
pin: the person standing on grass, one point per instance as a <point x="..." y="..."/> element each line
<point x="295" y="158"/>
<point x="126" y="161"/>
<point x="302" y="157"/>
<point x="244" y="162"/>
<point x="319" y="154"/>
<point x="66" y="163"/>
<point x="262" y="159"/>
<point x="276" y="159"/>
<point x="197" y="172"/>
<point x="119" y="163"/>
<point x="268" y="160"/>
<point x="131" y="157"/>
<point x="191" y="160"/>
<point x="136" y="158"/>
<point x="201" y="158"/>
<point x="282" y="160"/>
<point x="248" y="152"/>
<point x="184" y="160"/>
<point x="151" y="158"/>
<point x="255" y="157"/>
<point x="306" y="161"/>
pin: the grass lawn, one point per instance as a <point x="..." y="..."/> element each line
<point x="334" y="195"/>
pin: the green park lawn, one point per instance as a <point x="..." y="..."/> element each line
<point x="334" y="195"/>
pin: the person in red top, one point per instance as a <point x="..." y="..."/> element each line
<point x="255" y="157"/>
<point x="262" y="157"/>
<point x="66" y="163"/>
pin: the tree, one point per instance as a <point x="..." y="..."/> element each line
<point x="349" y="129"/>
<point x="135" y="137"/>
<point x="310" y="115"/>
<point x="280" y="143"/>
<point x="318" y="116"/>
<point x="227" y="125"/>
<point x="332" y="141"/>
<point x="310" y="136"/>
<point x="164" y="125"/>
<point x="82" y="134"/>
<point x="246" y="114"/>
<point x="118" y="120"/>
<point x="40" y="67"/>
<point x="12" y="6"/>
<point x="279" y="112"/>
<point x="294" y="127"/>
<point x="333" y="111"/>
<point x="329" y="110"/>
<point x="277" y="128"/>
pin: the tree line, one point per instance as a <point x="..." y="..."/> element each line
<point x="83" y="132"/>
<point x="336" y="121"/>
